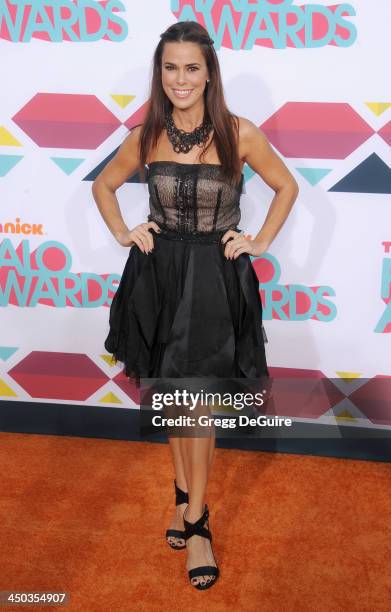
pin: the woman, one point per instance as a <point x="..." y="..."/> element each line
<point x="188" y="302"/>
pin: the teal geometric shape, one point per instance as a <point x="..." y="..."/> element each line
<point x="7" y="162"/>
<point x="7" y="351"/>
<point x="248" y="172"/>
<point x="67" y="164"/>
<point x="313" y="175"/>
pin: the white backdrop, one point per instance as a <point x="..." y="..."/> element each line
<point x="331" y="239"/>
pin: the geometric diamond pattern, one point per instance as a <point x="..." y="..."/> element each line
<point x="70" y="121"/>
<point x="309" y="129"/>
<point x="66" y="376"/>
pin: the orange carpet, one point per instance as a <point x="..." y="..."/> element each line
<point x="291" y="532"/>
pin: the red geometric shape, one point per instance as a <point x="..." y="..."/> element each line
<point x="67" y="121"/>
<point x="385" y="133"/>
<point x="326" y="130"/>
<point x="66" y="376"/>
<point x="302" y="393"/>
<point x="374" y="399"/>
<point x="128" y="386"/>
<point x="137" y="117"/>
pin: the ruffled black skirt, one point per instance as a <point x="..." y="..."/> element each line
<point x="184" y="310"/>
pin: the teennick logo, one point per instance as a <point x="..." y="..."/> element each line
<point x="10" y="227"/>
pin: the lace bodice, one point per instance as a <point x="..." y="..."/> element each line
<point x="192" y="197"/>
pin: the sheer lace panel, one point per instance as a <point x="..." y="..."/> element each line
<point x="192" y="197"/>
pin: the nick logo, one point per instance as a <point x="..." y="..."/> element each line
<point x="9" y="227"/>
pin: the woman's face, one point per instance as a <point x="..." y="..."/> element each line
<point x="184" y="73"/>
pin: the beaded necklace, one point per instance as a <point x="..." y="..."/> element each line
<point x="182" y="141"/>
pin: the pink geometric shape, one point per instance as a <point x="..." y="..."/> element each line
<point x="67" y="121"/>
<point x="374" y="399"/>
<point x="301" y="393"/>
<point x="66" y="376"/>
<point x="128" y="386"/>
<point x="137" y="117"/>
<point x="326" y="130"/>
<point x="385" y="133"/>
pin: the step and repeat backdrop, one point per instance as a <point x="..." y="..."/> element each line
<point x="312" y="75"/>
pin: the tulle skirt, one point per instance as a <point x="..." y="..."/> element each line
<point x="184" y="310"/>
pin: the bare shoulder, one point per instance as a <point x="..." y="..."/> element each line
<point x="124" y="163"/>
<point x="244" y="125"/>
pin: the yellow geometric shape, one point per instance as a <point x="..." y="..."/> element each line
<point x="122" y="100"/>
<point x="348" y="376"/>
<point x="110" y="398"/>
<point x="5" y="390"/>
<point x="109" y="360"/>
<point x="7" y="140"/>
<point x="345" y="416"/>
<point x="216" y="406"/>
<point x="378" y="107"/>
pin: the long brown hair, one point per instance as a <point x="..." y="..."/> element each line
<point x="225" y="124"/>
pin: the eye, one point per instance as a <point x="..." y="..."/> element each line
<point x="191" y="68"/>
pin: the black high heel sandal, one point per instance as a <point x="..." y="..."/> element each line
<point x="181" y="497"/>
<point x="198" y="528"/>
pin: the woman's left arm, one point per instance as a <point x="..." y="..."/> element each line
<point x="256" y="151"/>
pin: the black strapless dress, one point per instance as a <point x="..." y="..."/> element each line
<point x="184" y="310"/>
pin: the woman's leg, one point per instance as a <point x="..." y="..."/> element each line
<point x="181" y="480"/>
<point x="179" y="458"/>
<point x="197" y="454"/>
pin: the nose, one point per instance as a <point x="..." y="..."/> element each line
<point x="181" y="78"/>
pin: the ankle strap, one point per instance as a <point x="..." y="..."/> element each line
<point x="198" y="527"/>
<point x="181" y="496"/>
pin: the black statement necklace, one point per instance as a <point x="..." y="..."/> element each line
<point x="182" y="141"/>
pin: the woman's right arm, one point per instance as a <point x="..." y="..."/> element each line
<point x="114" y="175"/>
